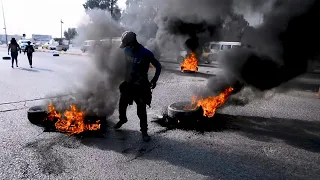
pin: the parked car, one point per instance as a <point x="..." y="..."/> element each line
<point x="23" y="43"/>
<point x="36" y="45"/>
<point x="58" y="44"/>
<point x="89" y="45"/>
<point x="111" y="41"/>
<point x="45" y="45"/>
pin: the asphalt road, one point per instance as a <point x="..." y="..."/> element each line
<point x="273" y="138"/>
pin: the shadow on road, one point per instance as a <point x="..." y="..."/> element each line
<point x="300" y="134"/>
<point x="43" y="69"/>
<point x="214" y="161"/>
<point x="28" y="69"/>
<point x="34" y="69"/>
<point x="211" y="161"/>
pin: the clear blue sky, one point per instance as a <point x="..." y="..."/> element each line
<point x="42" y="16"/>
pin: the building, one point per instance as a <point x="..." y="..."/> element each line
<point x="41" y="38"/>
<point x="3" y="37"/>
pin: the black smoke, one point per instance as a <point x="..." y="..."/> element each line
<point x="97" y="93"/>
<point x="281" y="47"/>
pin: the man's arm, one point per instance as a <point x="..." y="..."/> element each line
<point x="158" y="67"/>
<point x="19" y="49"/>
<point x="9" y="48"/>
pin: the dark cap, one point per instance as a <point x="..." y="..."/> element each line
<point x="127" y="38"/>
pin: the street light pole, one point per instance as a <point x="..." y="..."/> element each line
<point x="61" y="27"/>
<point x="4" y="21"/>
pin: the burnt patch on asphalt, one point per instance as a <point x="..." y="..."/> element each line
<point x="298" y="133"/>
<point x="202" y="124"/>
<point x="50" y="162"/>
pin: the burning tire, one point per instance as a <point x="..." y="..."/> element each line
<point x="37" y="114"/>
<point x="184" y="111"/>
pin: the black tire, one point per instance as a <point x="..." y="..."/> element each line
<point x="37" y="114"/>
<point x="56" y="55"/>
<point x="180" y="111"/>
<point x="6" y="58"/>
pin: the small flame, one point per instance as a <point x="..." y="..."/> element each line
<point x="210" y="104"/>
<point x="73" y="121"/>
<point x="190" y="63"/>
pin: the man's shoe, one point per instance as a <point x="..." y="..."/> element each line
<point x="120" y="123"/>
<point x="146" y="137"/>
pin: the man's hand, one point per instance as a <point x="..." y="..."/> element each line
<point x="153" y="84"/>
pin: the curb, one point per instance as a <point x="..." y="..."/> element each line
<point x="61" y="52"/>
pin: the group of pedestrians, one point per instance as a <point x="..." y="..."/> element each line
<point x="14" y="49"/>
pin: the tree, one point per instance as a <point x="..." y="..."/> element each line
<point x="139" y="16"/>
<point x="108" y="5"/>
<point x="71" y="33"/>
<point x="234" y="27"/>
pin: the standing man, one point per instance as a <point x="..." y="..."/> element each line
<point x="136" y="86"/>
<point x="29" y="50"/>
<point x="14" y="48"/>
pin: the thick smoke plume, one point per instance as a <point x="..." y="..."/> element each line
<point x="280" y="47"/>
<point x="98" y="92"/>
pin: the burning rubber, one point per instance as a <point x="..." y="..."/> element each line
<point x="71" y="121"/>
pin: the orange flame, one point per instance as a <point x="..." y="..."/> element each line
<point x="73" y="122"/>
<point x="190" y="63"/>
<point x="210" y="104"/>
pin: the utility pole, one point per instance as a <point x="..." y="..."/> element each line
<point x="61" y="27"/>
<point x="4" y="21"/>
<point x="111" y="8"/>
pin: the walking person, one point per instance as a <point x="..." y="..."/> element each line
<point x="29" y="50"/>
<point x="14" y="48"/>
<point x="136" y="86"/>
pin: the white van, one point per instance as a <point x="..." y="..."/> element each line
<point x="113" y="41"/>
<point x="215" y="47"/>
<point x="210" y="50"/>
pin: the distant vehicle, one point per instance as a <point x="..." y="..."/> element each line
<point x="45" y="45"/>
<point x="52" y="44"/>
<point x="114" y="41"/>
<point x="36" y="45"/>
<point x="209" y="52"/>
<point x="23" y="43"/>
<point x="89" y="45"/>
<point x="58" y="44"/>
